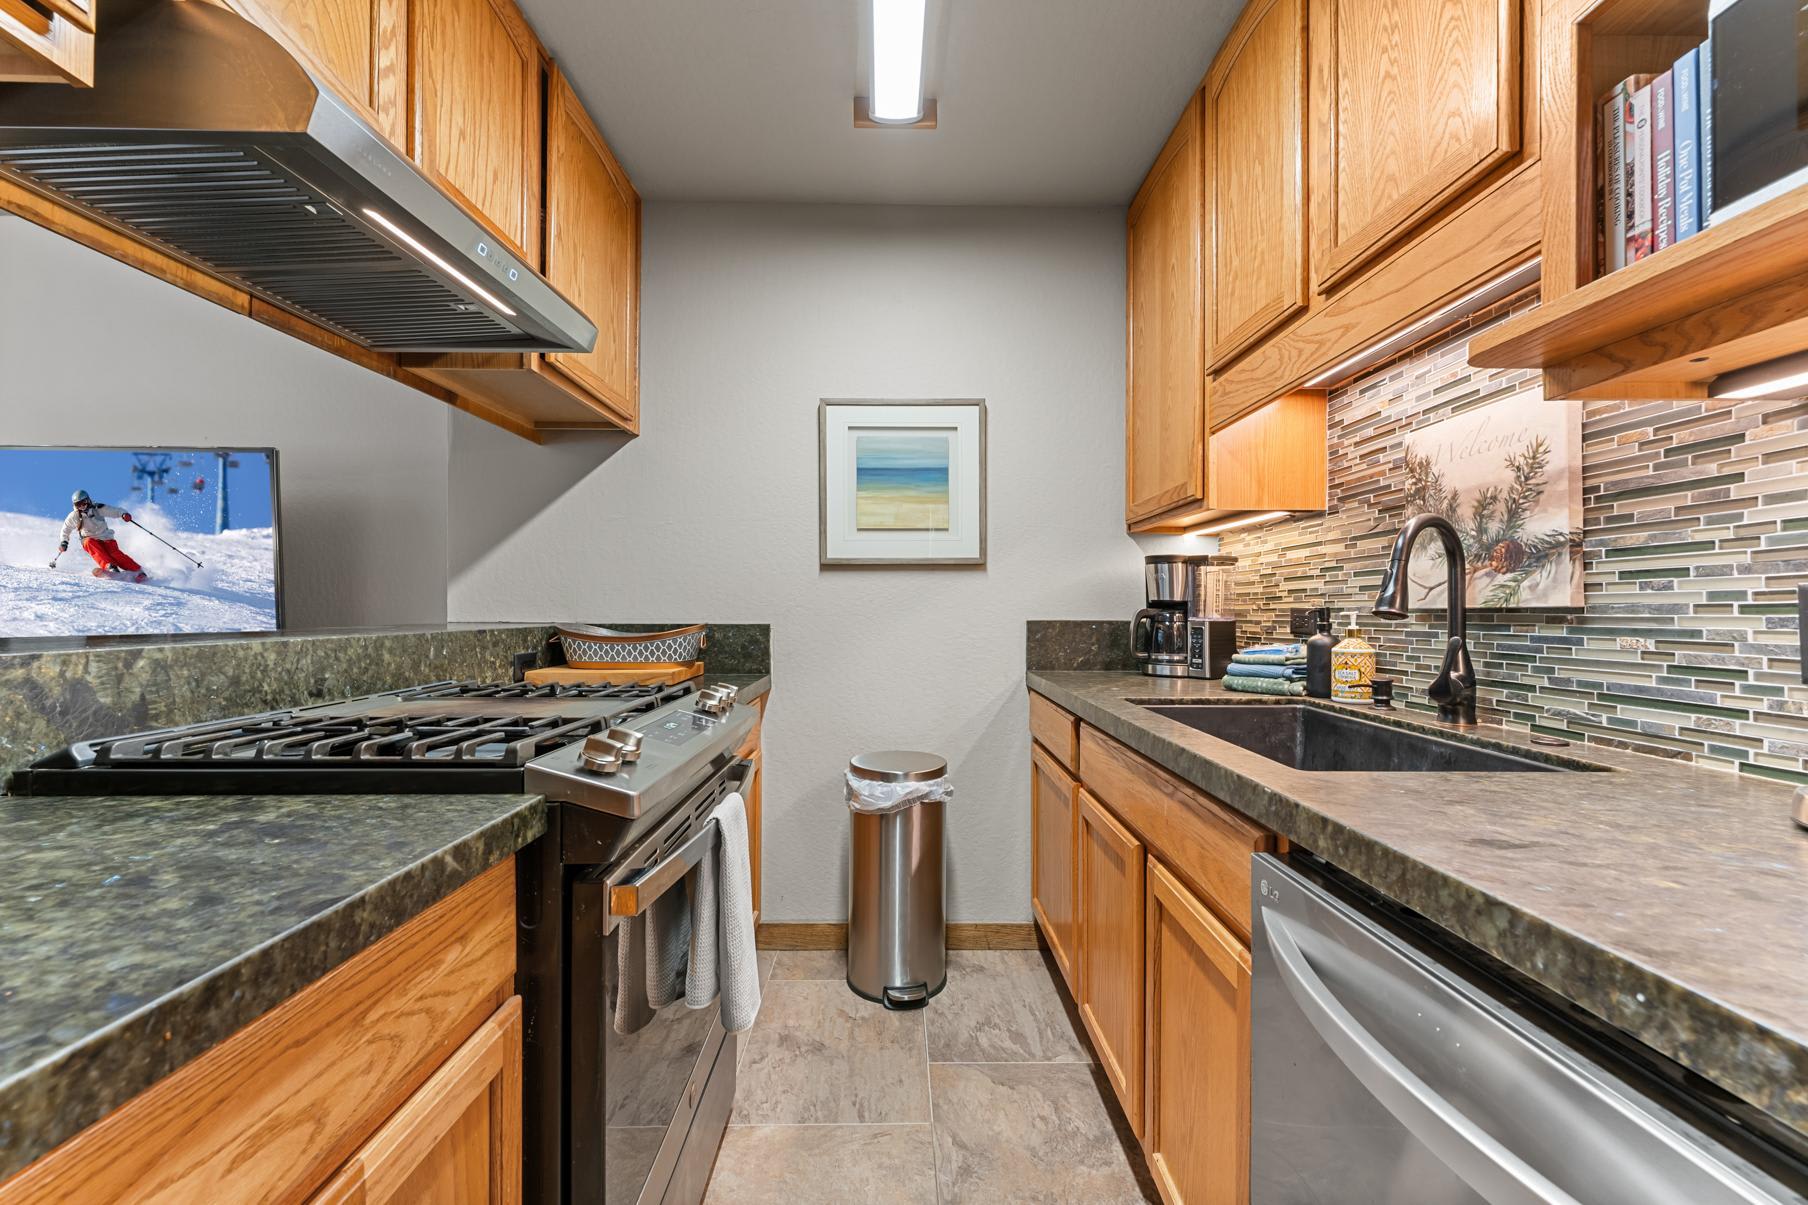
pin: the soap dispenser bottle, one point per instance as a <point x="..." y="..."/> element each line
<point x="1318" y="656"/>
<point x="1352" y="666"/>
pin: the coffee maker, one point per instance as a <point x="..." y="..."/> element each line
<point x="1158" y="634"/>
<point x="1211" y="632"/>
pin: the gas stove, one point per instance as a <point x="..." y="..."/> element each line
<point x="461" y="737"/>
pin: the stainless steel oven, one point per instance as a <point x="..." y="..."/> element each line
<point x="646" y="1109"/>
<point x="1388" y="1069"/>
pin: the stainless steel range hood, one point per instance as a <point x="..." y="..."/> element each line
<point x="206" y="137"/>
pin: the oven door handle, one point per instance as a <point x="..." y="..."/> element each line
<point x="636" y="891"/>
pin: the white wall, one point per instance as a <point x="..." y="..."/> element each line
<point x="750" y="315"/>
<point x="94" y="352"/>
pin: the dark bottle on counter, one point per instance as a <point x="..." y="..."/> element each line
<point x="1318" y="657"/>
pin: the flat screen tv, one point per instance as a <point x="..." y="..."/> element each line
<point x="199" y="551"/>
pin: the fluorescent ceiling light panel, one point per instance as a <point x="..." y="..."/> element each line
<point x="898" y="60"/>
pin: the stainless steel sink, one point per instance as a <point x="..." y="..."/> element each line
<point x="1315" y="738"/>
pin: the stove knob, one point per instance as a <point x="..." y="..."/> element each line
<point x="728" y="693"/>
<point x="601" y="755"/>
<point x="711" y="701"/>
<point x="629" y="740"/>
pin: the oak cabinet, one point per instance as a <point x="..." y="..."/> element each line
<point x="593" y="251"/>
<point x="1111" y="950"/>
<point x="382" y="1061"/>
<point x="1413" y="102"/>
<point x="1196" y="1127"/>
<point x="1255" y="146"/>
<point x="1054" y="811"/>
<point x="474" y="112"/>
<point x="1165" y="407"/>
<point x="355" y="47"/>
<point x="457" y="1140"/>
<point x="47" y="42"/>
<point x="592" y="256"/>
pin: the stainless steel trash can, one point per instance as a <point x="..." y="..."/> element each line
<point x="897" y="951"/>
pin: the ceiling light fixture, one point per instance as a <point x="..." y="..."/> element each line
<point x="897" y="97"/>
<point x="1785" y="377"/>
<point x="1213" y="529"/>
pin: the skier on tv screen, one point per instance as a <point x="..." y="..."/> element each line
<point x="88" y="520"/>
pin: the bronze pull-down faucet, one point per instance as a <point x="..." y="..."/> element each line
<point x="1453" y="690"/>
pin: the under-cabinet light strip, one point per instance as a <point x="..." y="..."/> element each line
<point x="1495" y="290"/>
<point x="438" y="261"/>
<point x="1213" y="529"/>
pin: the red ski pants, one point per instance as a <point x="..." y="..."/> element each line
<point x="106" y="554"/>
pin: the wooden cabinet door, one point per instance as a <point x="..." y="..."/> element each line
<point x="49" y="42"/>
<point x="1413" y="101"/>
<point x="354" y="46"/>
<point x="1165" y="407"/>
<point x="593" y="250"/>
<point x="474" y="102"/>
<point x="1255" y="146"/>
<point x="457" y="1141"/>
<point x="1196" y="1130"/>
<point x="1111" y="950"/>
<point x="1054" y="819"/>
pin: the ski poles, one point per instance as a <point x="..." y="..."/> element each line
<point x="147" y="531"/>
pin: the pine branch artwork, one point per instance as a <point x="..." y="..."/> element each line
<point x="1493" y="524"/>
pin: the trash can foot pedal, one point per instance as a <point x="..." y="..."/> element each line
<point x="914" y="995"/>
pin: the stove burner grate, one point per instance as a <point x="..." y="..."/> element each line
<point x="425" y="738"/>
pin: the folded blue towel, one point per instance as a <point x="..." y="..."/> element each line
<point x="1291" y="673"/>
<point x="1283" y="650"/>
<point x="1264" y="686"/>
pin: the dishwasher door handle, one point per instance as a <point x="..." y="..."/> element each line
<point x="1483" y="1163"/>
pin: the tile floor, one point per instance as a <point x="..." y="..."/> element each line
<point x="987" y="1095"/>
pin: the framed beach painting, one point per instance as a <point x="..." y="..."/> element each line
<point x="902" y="482"/>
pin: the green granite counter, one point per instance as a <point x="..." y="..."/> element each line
<point x="135" y="933"/>
<point x="1664" y="899"/>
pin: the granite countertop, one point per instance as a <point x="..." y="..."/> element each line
<point x="1665" y="899"/>
<point x="136" y="933"/>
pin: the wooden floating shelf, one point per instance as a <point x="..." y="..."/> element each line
<point x="1732" y="296"/>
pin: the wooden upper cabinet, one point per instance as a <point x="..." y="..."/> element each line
<point x="1164" y="443"/>
<point x="475" y="70"/>
<point x="593" y="250"/>
<point x="1111" y="950"/>
<point x="1255" y="145"/>
<point x="353" y="46"/>
<point x="47" y="42"/>
<point x="1413" y="101"/>
<point x="1196" y="1128"/>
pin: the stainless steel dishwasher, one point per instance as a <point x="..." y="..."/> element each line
<point x="1389" y="1071"/>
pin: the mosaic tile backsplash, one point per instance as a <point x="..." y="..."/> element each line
<point x="1695" y="534"/>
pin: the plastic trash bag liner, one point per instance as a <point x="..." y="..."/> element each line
<point x="865" y="795"/>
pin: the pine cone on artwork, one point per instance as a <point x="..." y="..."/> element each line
<point x="1507" y="556"/>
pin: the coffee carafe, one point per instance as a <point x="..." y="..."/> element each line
<point x="1158" y="634"/>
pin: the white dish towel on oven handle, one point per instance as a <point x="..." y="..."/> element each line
<point x="724" y="961"/>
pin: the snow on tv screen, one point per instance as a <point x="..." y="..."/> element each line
<point x="198" y="553"/>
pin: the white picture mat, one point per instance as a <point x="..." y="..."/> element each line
<point x="844" y="541"/>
